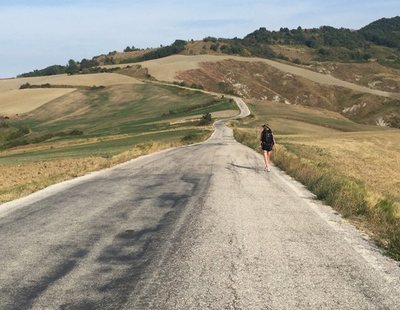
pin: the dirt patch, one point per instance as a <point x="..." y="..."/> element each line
<point x="372" y="74"/>
<point x="259" y="80"/>
<point x="170" y="69"/>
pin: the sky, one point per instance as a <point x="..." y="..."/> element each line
<point x="35" y="34"/>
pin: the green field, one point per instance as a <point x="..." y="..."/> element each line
<point x="92" y="129"/>
<point x="131" y="110"/>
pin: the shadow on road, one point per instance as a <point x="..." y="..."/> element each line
<point x="242" y="167"/>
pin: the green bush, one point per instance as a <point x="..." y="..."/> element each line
<point x="206" y="119"/>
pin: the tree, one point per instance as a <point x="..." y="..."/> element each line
<point x="72" y="67"/>
<point x="85" y="63"/>
<point x="206" y="119"/>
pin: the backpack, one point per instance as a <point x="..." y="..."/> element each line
<point x="267" y="137"/>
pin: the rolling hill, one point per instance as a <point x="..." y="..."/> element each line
<point x="368" y="57"/>
<point x="318" y="89"/>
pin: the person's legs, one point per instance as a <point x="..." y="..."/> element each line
<point x="266" y="159"/>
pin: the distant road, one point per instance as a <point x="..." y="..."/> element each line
<point x="196" y="227"/>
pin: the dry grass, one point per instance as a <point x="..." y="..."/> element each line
<point x="168" y="69"/>
<point x="112" y="120"/>
<point x="369" y="154"/>
<point x="105" y="79"/>
<point x="120" y="56"/>
<point x="18" y="180"/>
<point x="370" y="74"/>
<point x="370" y="200"/>
<point x="14" y="102"/>
<point x="200" y="48"/>
<point x="262" y="81"/>
<point x="303" y="53"/>
<point x="371" y="157"/>
<point x="354" y="168"/>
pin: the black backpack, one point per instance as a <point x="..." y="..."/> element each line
<point x="267" y="136"/>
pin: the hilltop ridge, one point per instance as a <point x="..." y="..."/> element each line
<point x="378" y="41"/>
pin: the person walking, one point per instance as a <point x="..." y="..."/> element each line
<point x="267" y="143"/>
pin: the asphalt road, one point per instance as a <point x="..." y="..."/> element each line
<point x="197" y="227"/>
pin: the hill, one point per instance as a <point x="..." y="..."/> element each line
<point x="368" y="96"/>
<point x="385" y="31"/>
<point x="88" y="129"/>
<point x="367" y="57"/>
<point x="377" y="41"/>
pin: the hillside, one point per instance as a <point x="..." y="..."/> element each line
<point x="258" y="78"/>
<point x="378" y="41"/>
<point x="368" y="57"/>
<point x="86" y="129"/>
<point x="385" y="31"/>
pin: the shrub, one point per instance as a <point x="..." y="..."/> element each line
<point x="206" y="119"/>
<point x="76" y="132"/>
<point x="25" y="86"/>
<point x="4" y="124"/>
<point x="297" y="61"/>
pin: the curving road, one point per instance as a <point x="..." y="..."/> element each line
<point x="196" y="227"/>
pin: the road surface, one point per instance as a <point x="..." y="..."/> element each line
<point x="196" y="227"/>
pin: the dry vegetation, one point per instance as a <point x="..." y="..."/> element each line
<point x="114" y="124"/>
<point x="122" y="56"/>
<point x="105" y="79"/>
<point x="300" y="52"/>
<point x="17" y="101"/>
<point x="354" y="168"/>
<point x="18" y="180"/>
<point x="370" y="74"/>
<point x="262" y="81"/>
<point x="200" y="48"/>
<point x="14" y="102"/>
<point x="135" y="71"/>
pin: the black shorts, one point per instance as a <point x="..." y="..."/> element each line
<point x="266" y="147"/>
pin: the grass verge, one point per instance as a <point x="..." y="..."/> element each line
<point x="375" y="213"/>
<point x="21" y="178"/>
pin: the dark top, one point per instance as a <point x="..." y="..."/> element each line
<point x="267" y="137"/>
